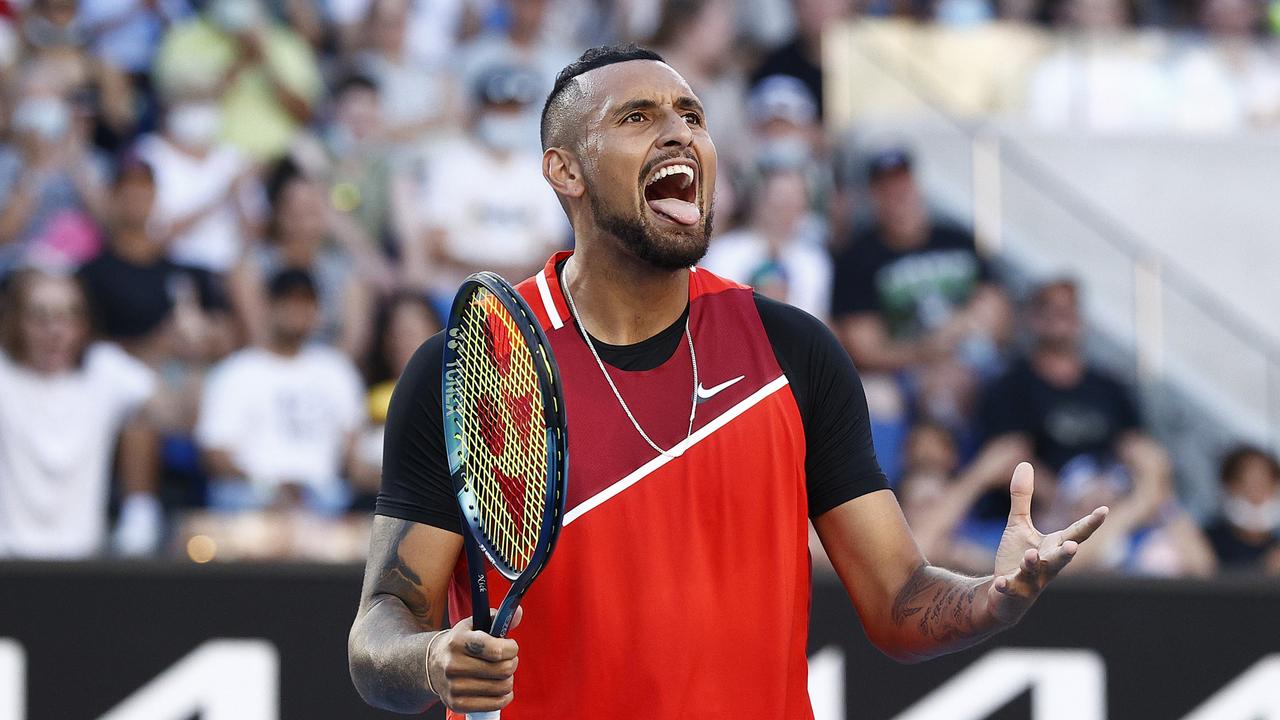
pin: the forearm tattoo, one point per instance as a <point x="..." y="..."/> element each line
<point x="400" y="580"/>
<point x="939" y="603"/>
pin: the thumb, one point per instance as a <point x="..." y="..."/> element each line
<point x="515" y="619"/>
<point x="1020" y="490"/>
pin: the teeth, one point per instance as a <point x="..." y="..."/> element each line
<point x="685" y="170"/>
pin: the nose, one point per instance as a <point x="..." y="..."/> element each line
<point x="676" y="133"/>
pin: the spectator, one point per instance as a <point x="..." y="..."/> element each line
<point x="418" y="98"/>
<point x="431" y="29"/>
<point x="486" y="205"/>
<point x="1147" y="532"/>
<point x="1055" y="398"/>
<point x="1244" y="535"/>
<point x="697" y="36"/>
<point x="126" y="34"/>
<point x="1225" y="79"/>
<point x="1099" y="79"/>
<point x="404" y="321"/>
<point x="57" y="36"/>
<point x="138" y="296"/>
<point x="264" y="74"/>
<point x="51" y="181"/>
<point x="64" y="404"/>
<point x="781" y="252"/>
<point x="301" y="236"/>
<point x="786" y="132"/>
<point x="801" y="57"/>
<point x="277" y="423"/>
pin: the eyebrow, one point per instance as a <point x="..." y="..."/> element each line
<point x="684" y="102"/>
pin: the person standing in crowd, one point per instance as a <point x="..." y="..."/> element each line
<point x="263" y="73"/>
<point x="66" y="403"/>
<point x="781" y="252"/>
<point x="801" y="56"/>
<point x="52" y="183"/>
<point x="277" y="423"/>
<point x="485" y="205"/>
<point x="1244" y="535"/>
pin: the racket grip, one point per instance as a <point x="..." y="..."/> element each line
<point x="495" y="715"/>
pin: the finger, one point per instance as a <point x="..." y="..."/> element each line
<point x="1057" y="558"/>
<point x="1020" y="490"/>
<point x="464" y="667"/>
<point x="473" y="687"/>
<point x="484" y="646"/>
<point x="1030" y="563"/>
<point x="515" y="619"/>
<point x="1081" y="529"/>
<point x="468" y="705"/>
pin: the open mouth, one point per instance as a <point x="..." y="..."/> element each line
<point x="672" y="192"/>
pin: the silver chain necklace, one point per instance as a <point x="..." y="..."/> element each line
<point x="693" y="399"/>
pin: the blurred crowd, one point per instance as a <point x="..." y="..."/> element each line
<point x="226" y="225"/>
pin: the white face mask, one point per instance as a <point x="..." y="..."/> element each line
<point x="196" y="125"/>
<point x="236" y="16"/>
<point x="1253" y="518"/>
<point x="47" y="117"/>
<point x="505" y="131"/>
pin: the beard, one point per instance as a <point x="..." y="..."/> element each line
<point x="672" y="250"/>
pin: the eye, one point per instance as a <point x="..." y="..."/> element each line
<point x="635" y="117"/>
<point x="693" y="118"/>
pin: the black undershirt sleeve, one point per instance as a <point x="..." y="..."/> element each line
<point x="415" y="474"/>
<point x="840" y="461"/>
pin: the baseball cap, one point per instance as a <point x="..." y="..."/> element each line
<point x="507" y="84"/>
<point x="888" y="160"/>
<point x="782" y="97"/>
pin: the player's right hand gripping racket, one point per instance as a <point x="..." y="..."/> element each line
<point x="507" y="442"/>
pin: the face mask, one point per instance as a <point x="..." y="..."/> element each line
<point x="236" y="16"/>
<point x="785" y="153"/>
<point x="45" y="34"/>
<point x="504" y="131"/>
<point x="195" y="125"/>
<point x="46" y="117"/>
<point x="1253" y="518"/>
<point x="339" y="139"/>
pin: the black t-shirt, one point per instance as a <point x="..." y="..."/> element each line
<point x="129" y="300"/>
<point x="1086" y="418"/>
<point x="1234" y="554"/>
<point x="840" y="462"/>
<point x="915" y="290"/>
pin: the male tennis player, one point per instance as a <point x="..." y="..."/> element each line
<point x="680" y="584"/>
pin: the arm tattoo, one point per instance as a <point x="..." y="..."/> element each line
<point x="399" y="579"/>
<point x="940" y="605"/>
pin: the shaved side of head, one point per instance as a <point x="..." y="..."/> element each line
<point x="561" y="114"/>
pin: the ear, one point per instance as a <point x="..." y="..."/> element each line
<point x="563" y="171"/>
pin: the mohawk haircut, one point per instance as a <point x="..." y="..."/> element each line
<point x="555" y="112"/>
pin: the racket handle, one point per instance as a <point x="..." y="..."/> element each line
<point x="495" y="715"/>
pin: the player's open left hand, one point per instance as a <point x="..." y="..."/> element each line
<point x="1026" y="560"/>
<point x="472" y="671"/>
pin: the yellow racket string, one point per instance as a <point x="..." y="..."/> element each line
<point x="504" y="431"/>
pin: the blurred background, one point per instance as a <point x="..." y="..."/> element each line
<point x="1043" y="229"/>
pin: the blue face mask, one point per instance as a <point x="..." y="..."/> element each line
<point x="46" y="117"/>
<point x="508" y="132"/>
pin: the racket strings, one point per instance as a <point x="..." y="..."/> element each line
<point x="507" y="442"/>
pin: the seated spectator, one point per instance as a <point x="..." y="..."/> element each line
<point x="1225" y="80"/>
<point x="136" y="293"/>
<point x="65" y="405"/>
<point x="1244" y="536"/>
<point x="277" y="423"/>
<point x="404" y="322"/>
<point x="264" y="74"/>
<point x="303" y="236"/>
<point x="418" y="98"/>
<point x="1147" y="532"/>
<point x="52" y="184"/>
<point x="1100" y="78"/>
<point x="939" y="503"/>
<point x="777" y="252"/>
<point x="1054" y="398"/>
<point x="801" y="57"/>
<point x="486" y="205"/>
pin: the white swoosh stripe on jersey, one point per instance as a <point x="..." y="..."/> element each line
<point x="547" y="303"/>
<point x="700" y="434"/>
<point x="705" y="393"/>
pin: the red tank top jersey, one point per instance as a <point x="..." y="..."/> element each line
<point x="679" y="586"/>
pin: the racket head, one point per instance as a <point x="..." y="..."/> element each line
<point x="505" y="428"/>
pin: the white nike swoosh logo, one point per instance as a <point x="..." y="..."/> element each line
<point x="708" y="393"/>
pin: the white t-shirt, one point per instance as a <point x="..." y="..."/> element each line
<point x="493" y="211"/>
<point x="283" y="419"/>
<point x="742" y="255"/>
<point x="57" y="439"/>
<point x="185" y="184"/>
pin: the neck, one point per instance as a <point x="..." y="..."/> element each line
<point x="134" y="245"/>
<point x="621" y="300"/>
<point x="298" y="252"/>
<point x="287" y="347"/>
<point x="1059" y="366"/>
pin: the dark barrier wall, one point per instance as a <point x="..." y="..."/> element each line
<point x="93" y="635"/>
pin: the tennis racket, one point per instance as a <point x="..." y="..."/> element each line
<point x="507" y="442"/>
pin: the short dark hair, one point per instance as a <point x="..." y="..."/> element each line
<point x="1234" y="461"/>
<point x="290" y="282"/>
<point x="557" y="104"/>
<point x="354" y="81"/>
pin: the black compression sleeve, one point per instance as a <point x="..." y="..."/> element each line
<point x="415" y="474"/>
<point x="840" y="461"/>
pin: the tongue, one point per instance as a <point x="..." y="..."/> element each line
<point x="677" y="210"/>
